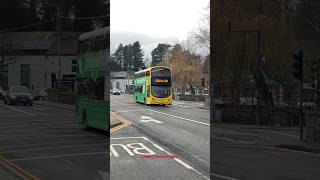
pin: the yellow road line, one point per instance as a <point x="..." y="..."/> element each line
<point x="124" y="121"/>
<point x="16" y="170"/>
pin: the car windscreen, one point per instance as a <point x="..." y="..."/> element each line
<point x="19" y="89"/>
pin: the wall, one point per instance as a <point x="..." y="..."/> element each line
<point x="37" y="70"/>
<point x="312" y="121"/>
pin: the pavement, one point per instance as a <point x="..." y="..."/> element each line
<point x="46" y="142"/>
<point x="261" y="152"/>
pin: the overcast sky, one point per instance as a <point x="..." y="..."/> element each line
<point x="153" y="21"/>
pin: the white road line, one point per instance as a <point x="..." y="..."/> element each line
<point x="129" y="110"/>
<point x="55" y="147"/>
<point x="42" y="137"/>
<point x="279" y="133"/>
<point x="223" y="176"/>
<point x="37" y="144"/>
<point x="161" y="149"/>
<point x="59" y="109"/>
<point x="58" y="156"/>
<point x="35" y="108"/>
<point x="191" y="120"/>
<point x="178" y="160"/>
<point x="128" y="138"/>
<point x="15" y="109"/>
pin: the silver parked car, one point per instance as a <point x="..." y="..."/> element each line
<point x="18" y="95"/>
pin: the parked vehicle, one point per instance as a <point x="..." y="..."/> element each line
<point x="18" y="95"/>
<point x="43" y="94"/>
<point x="116" y="92"/>
<point x="2" y="93"/>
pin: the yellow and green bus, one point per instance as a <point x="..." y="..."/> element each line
<point x="92" y="83"/>
<point x="153" y="86"/>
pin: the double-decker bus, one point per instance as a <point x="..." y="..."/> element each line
<point x="153" y="86"/>
<point x="92" y="83"/>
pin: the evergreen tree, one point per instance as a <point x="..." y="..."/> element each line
<point x="158" y="54"/>
<point x="137" y="58"/>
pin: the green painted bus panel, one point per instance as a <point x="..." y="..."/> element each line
<point x="140" y="97"/>
<point x="93" y="64"/>
<point x="96" y="112"/>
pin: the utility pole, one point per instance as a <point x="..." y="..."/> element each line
<point x="298" y="74"/>
<point x="59" y="45"/>
<point x="258" y="33"/>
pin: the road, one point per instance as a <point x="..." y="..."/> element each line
<point x="169" y="142"/>
<point x="49" y="144"/>
<point x="249" y="152"/>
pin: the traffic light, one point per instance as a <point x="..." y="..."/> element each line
<point x="132" y="82"/>
<point x="202" y="82"/>
<point x="298" y="65"/>
<point x="313" y="82"/>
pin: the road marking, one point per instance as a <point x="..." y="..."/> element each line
<point x="35" y="108"/>
<point x="223" y="176"/>
<point x="19" y="110"/>
<point x="270" y="148"/>
<point x="59" y="109"/>
<point x="37" y="144"/>
<point x="17" y="170"/>
<point x="123" y="120"/>
<point x="55" y="147"/>
<point x="149" y="119"/>
<point x="191" y="120"/>
<point x="176" y="159"/>
<point x="233" y="140"/>
<point x="129" y="110"/>
<point x="279" y="133"/>
<point x="58" y="156"/>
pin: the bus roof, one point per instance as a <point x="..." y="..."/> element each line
<point x="94" y="33"/>
<point x="148" y="69"/>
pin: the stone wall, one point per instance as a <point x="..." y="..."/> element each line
<point x="312" y="122"/>
<point x="246" y="114"/>
<point x="61" y="96"/>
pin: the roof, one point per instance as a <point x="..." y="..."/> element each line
<point x="68" y="47"/>
<point x="102" y="31"/>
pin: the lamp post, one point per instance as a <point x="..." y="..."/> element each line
<point x="252" y="95"/>
<point x="58" y="29"/>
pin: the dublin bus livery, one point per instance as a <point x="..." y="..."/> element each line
<point x="92" y="84"/>
<point x="153" y="86"/>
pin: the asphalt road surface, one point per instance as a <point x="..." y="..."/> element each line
<point x="169" y="142"/>
<point x="49" y="144"/>
<point x="249" y="152"/>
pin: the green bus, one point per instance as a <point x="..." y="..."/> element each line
<point x="153" y="86"/>
<point x="92" y="80"/>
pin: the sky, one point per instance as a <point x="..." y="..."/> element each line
<point x="153" y="21"/>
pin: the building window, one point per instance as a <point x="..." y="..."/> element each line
<point x="4" y="76"/>
<point x="118" y="85"/>
<point x="25" y="75"/>
<point x="74" y="65"/>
